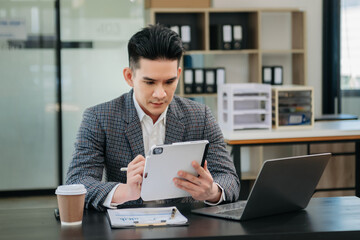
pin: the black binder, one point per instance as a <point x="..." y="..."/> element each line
<point x="227" y="37"/>
<point x="185" y="33"/>
<point x="175" y="28"/>
<point x="237" y="37"/>
<point x="220" y="76"/>
<point x="277" y="73"/>
<point x="210" y="80"/>
<point x="188" y="81"/>
<point x="216" y="37"/>
<point x="267" y="75"/>
<point x="199" y="80"/>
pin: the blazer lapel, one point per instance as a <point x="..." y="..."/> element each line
<point x="133" y="131"/>
<point x="174" y="127"/>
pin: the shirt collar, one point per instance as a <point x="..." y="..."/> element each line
<point x="141" y="114"/>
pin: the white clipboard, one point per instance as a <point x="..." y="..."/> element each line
<point x="162" y="165"/>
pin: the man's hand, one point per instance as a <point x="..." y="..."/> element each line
<point x="131" y="190"/>
<point x="201" y="188"/>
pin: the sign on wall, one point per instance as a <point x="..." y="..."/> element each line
<point x="13" y="29"/>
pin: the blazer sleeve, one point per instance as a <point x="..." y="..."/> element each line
<point x="220" y="164"/>
<point x="88" y="159"/>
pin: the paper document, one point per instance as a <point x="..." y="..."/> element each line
<point x="145" y="217"/>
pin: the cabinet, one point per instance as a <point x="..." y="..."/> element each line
<point x="269" y="37"/>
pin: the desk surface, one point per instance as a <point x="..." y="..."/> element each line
<point x="332" y="130"/>
<point x="324" y="218"/>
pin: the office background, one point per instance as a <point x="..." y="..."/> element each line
<point x="94" y="36"/>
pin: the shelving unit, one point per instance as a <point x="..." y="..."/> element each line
<point x="275" y="37"/>
<point x="270" y="37"/>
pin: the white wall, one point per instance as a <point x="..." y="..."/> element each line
<point x="313" y="9"/>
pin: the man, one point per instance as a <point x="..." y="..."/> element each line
<point x="118" y="133"/>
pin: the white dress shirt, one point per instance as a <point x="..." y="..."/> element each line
<point x="153" y="134"/>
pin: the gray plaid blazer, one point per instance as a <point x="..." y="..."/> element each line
<point x="110" y="137"/>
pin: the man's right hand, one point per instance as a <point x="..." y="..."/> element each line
<point x="131" y="190"/>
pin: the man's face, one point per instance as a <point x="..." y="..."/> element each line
<point x="154" y="84"/>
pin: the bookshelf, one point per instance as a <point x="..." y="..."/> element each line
<point x="275" y="37"/>
<point x="270" y="37"/>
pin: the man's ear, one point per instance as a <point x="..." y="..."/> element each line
<point x="128" y="74"/>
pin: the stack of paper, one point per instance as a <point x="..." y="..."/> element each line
<point x="145" y="217"/>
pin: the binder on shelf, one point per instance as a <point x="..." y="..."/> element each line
<point x="175" y="28"/>
<point x="188" y="81"/>
<point x="188" y="61"/>
<point x="267" y="75"/>
<point x="185" y="33"/>
<point x="226" y="36"/>
<point x="210" y="80"/>
<point x="277" y="75"/>
<point x="220" y="76"/>
<point x="199" y="81"/>
<point x="237" y="37"/>
<point x="215" y="36"/>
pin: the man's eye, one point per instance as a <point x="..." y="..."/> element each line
<point x="170" y="82"/>
<point x="149" y="83"/>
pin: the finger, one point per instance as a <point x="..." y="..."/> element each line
<point x="185" y="185"/>
<point x="137" y="159"/>
<point x="189" y="177"/>
<point x="200" y="170"/>
<point x="137" y="180"/>
<point x="134" y="172"/>
<point x="136" y="167"/>
<point x="193" y="190"/>
<point x="206" y="167"/>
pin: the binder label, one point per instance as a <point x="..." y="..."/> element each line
<point x="185" y="33"/>
<point x="210" y="77"/>
<point x="237" y="32"/>
<point x="227" y="33"/>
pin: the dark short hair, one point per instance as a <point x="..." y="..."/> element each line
<point x="154" y="42"/>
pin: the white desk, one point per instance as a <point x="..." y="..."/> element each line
<point x="332" y="131"/>
<point x="346" y="129"/>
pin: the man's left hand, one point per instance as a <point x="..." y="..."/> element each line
<point x="202" y="187"/>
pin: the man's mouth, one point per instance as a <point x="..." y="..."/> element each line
<point x="157" y="103"/>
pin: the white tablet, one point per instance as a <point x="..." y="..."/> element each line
<point x="162" y="165"/>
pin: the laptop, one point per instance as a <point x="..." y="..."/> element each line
<point x="283" y="185"/>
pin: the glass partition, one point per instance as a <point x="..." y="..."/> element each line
<point x="95" y="36"/>
<point x="28" y="139"/>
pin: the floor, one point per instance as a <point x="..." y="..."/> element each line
<point x="28" y="202"/>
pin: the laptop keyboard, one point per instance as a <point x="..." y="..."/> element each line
<point x="233" y="208"/>
<point x="235" y="212"/>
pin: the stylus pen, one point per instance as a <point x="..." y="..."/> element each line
<point x="123" y="169"/>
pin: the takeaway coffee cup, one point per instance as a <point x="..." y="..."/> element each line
<point x="71" y="199"/>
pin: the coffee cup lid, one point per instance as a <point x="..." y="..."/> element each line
<point x="73" y="189"/>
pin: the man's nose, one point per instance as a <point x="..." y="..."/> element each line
<point x="159" y="92"/>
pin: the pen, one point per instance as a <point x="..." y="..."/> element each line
<point x="173" y="212"/>
<point x="150" y="224"/>
<point x="123" y="169"/>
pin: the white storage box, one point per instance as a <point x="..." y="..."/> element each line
<point x="244" y="106"/>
